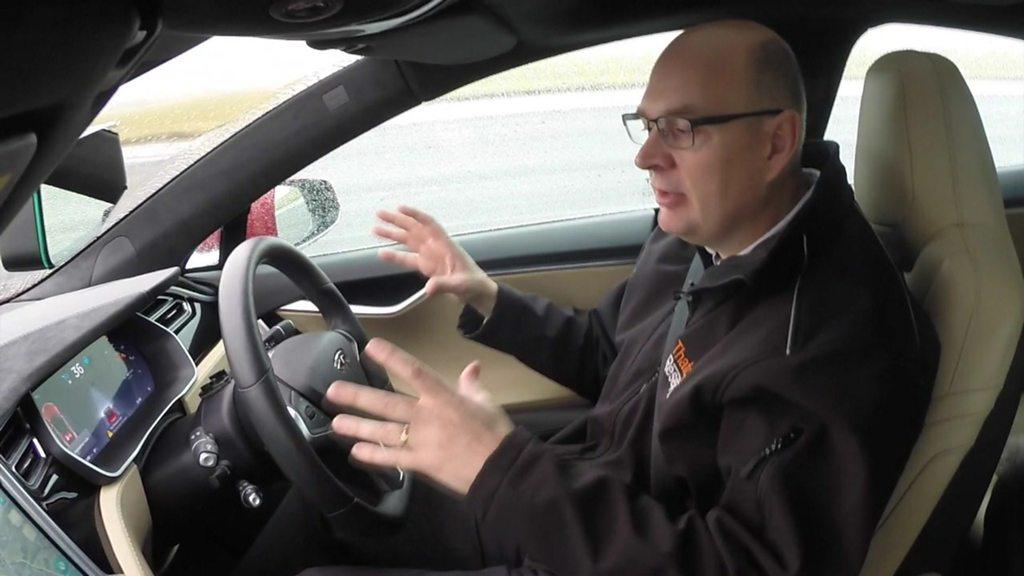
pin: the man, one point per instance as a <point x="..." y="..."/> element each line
<point x="754" y="423"/>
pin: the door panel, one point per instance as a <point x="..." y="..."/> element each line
<point x="573" y="263"/>
<point x="428" y="331"/>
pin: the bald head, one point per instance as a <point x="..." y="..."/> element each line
<point x="748" y="64"/>
<point x="726" y="181"/>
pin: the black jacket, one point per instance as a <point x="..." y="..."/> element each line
<point x="807" y="369"/>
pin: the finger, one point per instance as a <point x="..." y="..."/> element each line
<point x="394" y="234"/>
<point x="403" y="221"/>
<point x="377" y="455"/>
<point x="387" y="405"/>
<point x="469" y="383"/>
<point x="404" y="259"/>
<point x="368" y="430"/>
<point x="470" y="376"/>
<point x="399" y="363"/>
<point x="418" y="215"/>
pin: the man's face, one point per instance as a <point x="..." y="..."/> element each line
<point x="707" y="191"/>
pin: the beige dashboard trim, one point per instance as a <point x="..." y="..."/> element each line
<point x="214" y="361"/>
<point x="512" y="385"/>
<point x="364" y="311"/>
<point x="125" y="524"/>
<point x="428" y="330"/>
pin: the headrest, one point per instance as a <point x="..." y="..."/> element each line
<point x="923" y="161"/>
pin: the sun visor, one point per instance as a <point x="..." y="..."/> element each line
<point x="460" y="35"/>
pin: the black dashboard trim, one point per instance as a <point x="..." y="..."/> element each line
<point x="37" y="338"/>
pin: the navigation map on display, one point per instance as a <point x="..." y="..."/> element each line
<point x="87" y="401"/>
<point x="24" y="550"/>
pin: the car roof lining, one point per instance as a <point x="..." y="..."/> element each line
<point x="482" y="36"/>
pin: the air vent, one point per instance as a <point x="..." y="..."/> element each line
<point x="22" y="452"/>
<point x="170" y="312"/>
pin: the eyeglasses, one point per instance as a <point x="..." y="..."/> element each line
<point x="677" y="132"/>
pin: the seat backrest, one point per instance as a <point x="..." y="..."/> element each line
<point x="926" y="180"/>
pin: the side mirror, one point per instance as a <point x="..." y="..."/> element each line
<point x="299" y="211"/>
<point x="94" y="168"/>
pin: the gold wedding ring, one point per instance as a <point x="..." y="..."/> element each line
<point x="404" y="437"/>
<point x="401" y="473"/>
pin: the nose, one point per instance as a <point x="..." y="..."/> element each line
<point x="653" y="153"/>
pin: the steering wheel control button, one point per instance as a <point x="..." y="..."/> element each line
<point x="314" y="419"/>
<point x="208" y="459"/>
<point x="250" y="494"/>
<point x="205" y="451"/>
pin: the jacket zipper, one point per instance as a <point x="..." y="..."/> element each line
<point x="778" y="444"/>
<point x="796" y="293"/>
<point x="615" y="419"/>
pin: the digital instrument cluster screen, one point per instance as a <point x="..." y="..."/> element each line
<point x="87" y="401"/>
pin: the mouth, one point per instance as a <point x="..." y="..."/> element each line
<point x="667" y="199"/>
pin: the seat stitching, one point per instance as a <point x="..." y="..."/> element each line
<point x="916" y="477"/>
<point x="971" y="259"/>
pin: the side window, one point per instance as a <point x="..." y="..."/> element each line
<point x="993" y="67"/>
<point x="539" y="143"/>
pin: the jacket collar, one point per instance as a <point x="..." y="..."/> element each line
<point x="831" y="192"/>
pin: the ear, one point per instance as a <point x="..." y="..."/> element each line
<point x="783" y="142"/>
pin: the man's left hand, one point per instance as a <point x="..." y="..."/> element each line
<point x="446" y="434"/>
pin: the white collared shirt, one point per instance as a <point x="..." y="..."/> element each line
<point x="809" y="173"/>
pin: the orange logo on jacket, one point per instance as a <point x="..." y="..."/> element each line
<point x="677" y="366"/>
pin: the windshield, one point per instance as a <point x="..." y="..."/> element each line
<point x="170" y="117"/>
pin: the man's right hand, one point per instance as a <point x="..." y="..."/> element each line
<point x="435" y="255"/>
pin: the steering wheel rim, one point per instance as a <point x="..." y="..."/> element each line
<point x="256" y="386"/>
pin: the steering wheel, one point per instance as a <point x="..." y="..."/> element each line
<point x="281" y="393"/>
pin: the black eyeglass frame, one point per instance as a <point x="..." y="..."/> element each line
<point x="695" y="123"/>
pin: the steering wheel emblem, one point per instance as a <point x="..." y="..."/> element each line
<point x="339" y="360"/>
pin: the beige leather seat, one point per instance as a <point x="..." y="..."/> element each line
<point x="926" y="180"/>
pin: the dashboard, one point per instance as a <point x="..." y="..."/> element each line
<point x="94" y="378"/>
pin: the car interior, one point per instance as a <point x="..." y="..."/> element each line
<point x="200" y="465"/>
